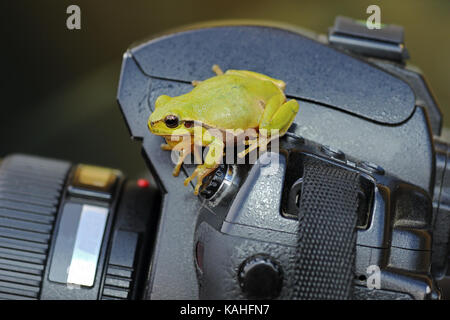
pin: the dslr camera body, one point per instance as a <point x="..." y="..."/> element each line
<point x="366" y="140"/>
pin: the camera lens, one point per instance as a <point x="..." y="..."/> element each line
<point x="72" y="231"/>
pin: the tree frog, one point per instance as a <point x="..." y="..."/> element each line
<point x="236" y="99"/>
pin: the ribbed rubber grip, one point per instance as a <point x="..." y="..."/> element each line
<point x="30" y="191"/>
<point x="118" y="280"/>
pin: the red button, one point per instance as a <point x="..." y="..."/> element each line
<point x="143" y="183"/>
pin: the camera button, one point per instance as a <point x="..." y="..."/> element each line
<point x="94" y="182"/>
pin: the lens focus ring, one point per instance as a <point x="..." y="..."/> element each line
<point x="30" y="189"/>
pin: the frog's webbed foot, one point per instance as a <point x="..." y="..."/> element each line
<point x="277" y="118"/>
<point x="200" y="172"/>
<point x="217" y="70"/>
<point x="261" y="142"/>
<point x="195" y="82"/>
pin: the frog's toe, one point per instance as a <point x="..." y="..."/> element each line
<point x="253" y="144"/>
<point x="199" y="181"/>
<point x="197" y="188"/>
<point x="216" y="69"/>
<point x="242" y="154"/>
<point x="166" y="147"/>
<point x="250" y="142"/>
<point x="176" y="171"/>
<point x="190" y="178"/>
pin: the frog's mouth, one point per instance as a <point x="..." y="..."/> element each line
<point x="169" y="136"/>
<point x="165" y="134"/>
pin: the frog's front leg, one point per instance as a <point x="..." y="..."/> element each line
<point x="185" y="147"/>
<point x="276" y="120"/>
<point x="212" y="159"/>
<point x="170" y="144"/>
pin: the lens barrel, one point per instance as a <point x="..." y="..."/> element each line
<point x="72" y="231"/>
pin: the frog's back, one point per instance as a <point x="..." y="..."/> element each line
<point x="231" y="102"/>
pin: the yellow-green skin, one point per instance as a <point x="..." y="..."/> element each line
<point x="222" y="102"/>
<point x="238" y="99"/>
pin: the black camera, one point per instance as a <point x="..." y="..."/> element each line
<point x="353" y="205"/>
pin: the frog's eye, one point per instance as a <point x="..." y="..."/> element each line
<point x="171" y="121"/>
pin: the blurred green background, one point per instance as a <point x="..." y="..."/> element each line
<point x="58" y="92"/>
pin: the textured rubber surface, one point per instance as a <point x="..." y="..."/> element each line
<point x="30" y="190"/>
<point x="327" y="232"/>
<point x="312" y="71"/>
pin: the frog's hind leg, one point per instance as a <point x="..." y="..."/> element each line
<point x="250" y="74"/>
<point x="275" y="122"/>
<point x="217" y="70"/>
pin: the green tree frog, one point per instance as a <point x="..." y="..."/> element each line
<point x="231" y="101"/>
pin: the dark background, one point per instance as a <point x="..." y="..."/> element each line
<point x="58" y="87"/>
